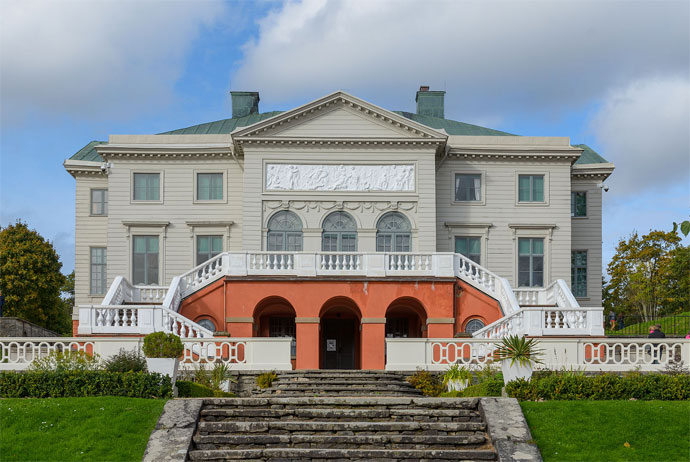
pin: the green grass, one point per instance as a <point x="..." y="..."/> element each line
<point x="598" y="430"/>
<point x="104" y="428"/>
<point x="668" y="326"/>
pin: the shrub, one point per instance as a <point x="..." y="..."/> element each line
<point x="518" y="349"/>
<point x="429" y="383"/>
<point x="126" y="361"/>
<point x="57" y="384"/>
<point x="68" y="360"/>
<point x="489" y="387"/>
<point x="197" y="390"/>
<point x="162" y="345"/>
<point x="602" y="387"/>
<point x="266" y="379"/>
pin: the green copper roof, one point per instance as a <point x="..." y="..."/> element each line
<point x="589" y="155"/>
<point x="452" y="127"/>
<point x="221" y="127"/>
<point x="88" y="152"/>
<point x="226" y="126"/>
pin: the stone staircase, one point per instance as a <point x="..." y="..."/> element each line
<point x="329" y="428"/>
<point x="317" y="383"/>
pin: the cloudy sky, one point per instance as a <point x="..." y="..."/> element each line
<point x="614" y="75"/>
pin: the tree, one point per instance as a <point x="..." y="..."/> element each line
<point x="30" y="278"/>
<point x="640" y="273"/>
<point x="679" y="281"/>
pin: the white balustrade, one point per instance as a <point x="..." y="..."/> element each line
<point x="545" y="321"/>
<point x="339" y="261"/>
<point x="604" y="354"/>
<point x="270" y="262"/>
<point x="261" y="353"/>
<point x="120" y="291"/>
<point x="557" y="294"/>
<point x="175" y="323"/>
<point x="151" y="294"/>
<point x="409" y="262"/>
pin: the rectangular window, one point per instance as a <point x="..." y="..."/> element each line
<point x="145" y="260"/>
<point x="208" y="247"/>
<point x="578" y="204"/>
<point x="209" y="186"/>
<point x="530" y="188"/>
<point x="147" y="187"/>
<point x="579" y="273"/>
<point x="469" y="247"/>
<point x="99" y="202"/>
<point x="98" y="267"/>
<point x="468" y="187"/>
<point x="530" y="262"/>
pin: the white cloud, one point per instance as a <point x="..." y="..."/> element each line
<point x="96" y="57"/>
<point x="493" y="58"/>
<point x="644" y="128"/>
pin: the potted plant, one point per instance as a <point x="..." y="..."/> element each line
<point x="518" y="355"/>
<point x="162" y="352"/>
<point x="457" y="378"/>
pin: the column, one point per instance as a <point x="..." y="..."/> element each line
<point x="373" y="350"/>
<point x="307" y="343"/>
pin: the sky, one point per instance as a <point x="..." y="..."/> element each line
<point x="614" y="75"/>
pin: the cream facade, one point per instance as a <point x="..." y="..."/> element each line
<point x="335" y="154"/>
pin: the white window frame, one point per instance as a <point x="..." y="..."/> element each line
<point x="195" y="177"/>
<point x="161" y="186"/>
<point x="147" y="228"/>
<point x="208" y="228"/>
<point x="160" y="278"/>
<point x="586" y="215"/>
<point x="482" y="192"/>
<point x="537" y="231"/>
<point x="526" y="172"/>
<point x="105" y="205"/>
<point x="480" y="230"/>
<point x="572" y="286"/>
<point x="105" y="271"/>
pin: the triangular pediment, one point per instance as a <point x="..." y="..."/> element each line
<point x="338" y="115"/>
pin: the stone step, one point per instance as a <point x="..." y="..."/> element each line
<point x="395" y="441"/>
<point x="336" y="382"/>
<point x="302" y="427"/>
<point x="289" y="454"/>
<point x="308" y="388"/>
<point x="337" y="401"/>
<point x="441" y="415"/>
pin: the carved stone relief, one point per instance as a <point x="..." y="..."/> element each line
<point x="352" y="206"/>
<point x="332" y="177"/>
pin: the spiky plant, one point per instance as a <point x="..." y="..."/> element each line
<point x="519" y="349"/>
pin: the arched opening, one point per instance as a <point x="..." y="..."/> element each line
<point x="473" y="325"/>
<point x="275" y="317"/>
<point x="207" y="322"/>
<point x="339" y="233"/>
<point x="393" y="233"/>
<point x="340" y="336"/>
<point x="406" y="318"/>
<point x="284" y="232"/>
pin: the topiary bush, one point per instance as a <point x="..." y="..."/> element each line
<point x="602" y="387"/>
<point x="57" y="384"/>
<point x="162" y="345"/>
<point x="126" y="361"/>
<point x="429" y="383"/>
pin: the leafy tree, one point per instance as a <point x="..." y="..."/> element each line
<point x="679" y="281"/>
<point x="30" y="278"/>
<point x="640" y="272"/>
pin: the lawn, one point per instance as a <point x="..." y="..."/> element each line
<point x="655" y="431"/>
<point x="677" y="325"/>
<point x="104" y="428"/>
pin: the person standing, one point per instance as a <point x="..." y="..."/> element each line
<point x="620" y="323"/>
<point x="656" y="333"/>
<point x="612" y="319"/>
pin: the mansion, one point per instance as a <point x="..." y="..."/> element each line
<point x="339" y="224"/>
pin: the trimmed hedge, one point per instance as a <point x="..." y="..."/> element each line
<point x="602" y="387"/>
<point x="57" y="384"/>
<point x="196" y="390"/>
<point x="490" y="387"/>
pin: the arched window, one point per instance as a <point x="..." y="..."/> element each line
<point x="393" y="233"/>
<point x="284" y="232"/>
<point x="208" y="324"/>
<point x="473" y="326"/>
<point x="339" y="233"/>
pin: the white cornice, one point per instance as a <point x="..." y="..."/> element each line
<point x="594" y="171"/>
<point x="83" y="167"/>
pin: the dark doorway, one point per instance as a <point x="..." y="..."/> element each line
<point x="338" y="345"/>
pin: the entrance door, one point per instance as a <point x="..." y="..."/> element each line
<point x="338" y="347"/>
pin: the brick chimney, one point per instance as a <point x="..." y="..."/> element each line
<point x="244" y="103"/>
<point x="430" y="103"/>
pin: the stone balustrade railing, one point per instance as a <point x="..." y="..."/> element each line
<point x="557" y="293"/>
<point x="261" y="353"/>
<point x="598" y="354"/>
<point x="545" y="321"/>
<point x="138" y="320"/>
